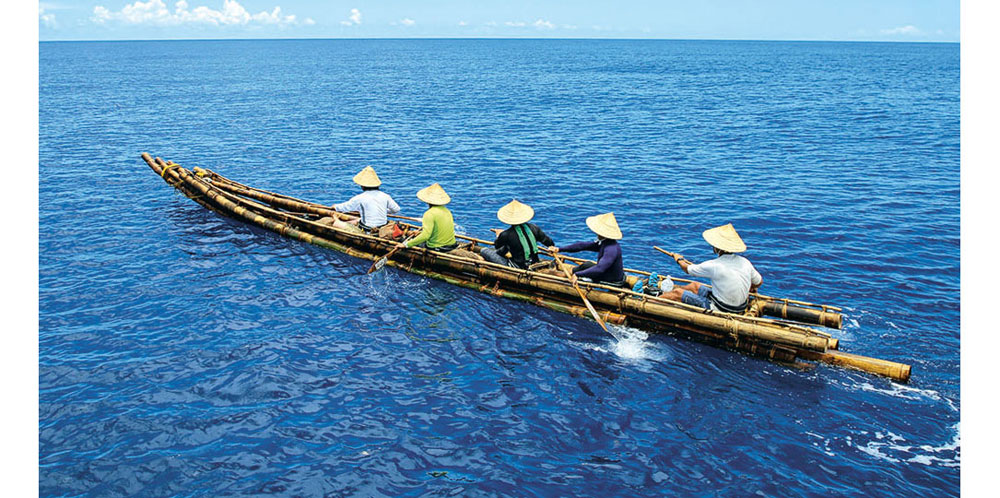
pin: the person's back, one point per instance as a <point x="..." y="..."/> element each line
<point x="438" y="230"/>
<point x="521" y="241"/>
<point x="372" y="205"/>
<point x="732" y="277"/>
<point x="609" y="268"/>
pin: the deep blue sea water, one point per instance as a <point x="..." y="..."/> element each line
<point x="185" y="354"/>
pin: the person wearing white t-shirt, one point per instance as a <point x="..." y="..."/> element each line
<point x="372" y="205"/>
<point x="733" y="277"/>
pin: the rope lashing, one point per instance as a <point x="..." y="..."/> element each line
<point x="163" y="174"/>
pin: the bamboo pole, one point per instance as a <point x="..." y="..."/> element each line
<point x="891" y="369"/>
<point x="316" y="208"/>
<point x="804" y="315"/>
<point x="824" y="318"/>
<point x="288" y="231"/>
<point x="794" y="337"/>
<point x="185" y="182"/>
<point x="803" y="338"/>
<point x="590" y="307"/>
<point x="553" y="304"/>
<point x="237" y="211"/>
<point x="184" y="190"/>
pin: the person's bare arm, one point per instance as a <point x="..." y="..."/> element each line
<point x="682" y="262"/>
<point x="759" y="279"/>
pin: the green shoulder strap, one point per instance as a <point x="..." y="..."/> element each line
<point x="527" y="241"/>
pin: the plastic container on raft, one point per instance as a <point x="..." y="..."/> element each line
<point x="666" y="285"/>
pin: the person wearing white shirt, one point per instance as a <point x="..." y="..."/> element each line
<point x="733" y="276"/>
<point x="373" y="205"/>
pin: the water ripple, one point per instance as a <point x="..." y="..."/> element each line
<point x="186" y="354"/>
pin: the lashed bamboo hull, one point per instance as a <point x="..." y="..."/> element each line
<point x="759" y="336"/>
<point x="796" y="311"/>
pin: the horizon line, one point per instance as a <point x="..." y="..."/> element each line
<point x="495" y="38"/>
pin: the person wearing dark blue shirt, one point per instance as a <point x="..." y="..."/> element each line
<point x="608" y="269"/>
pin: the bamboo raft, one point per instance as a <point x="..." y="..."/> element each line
<point x="782" y="330"/>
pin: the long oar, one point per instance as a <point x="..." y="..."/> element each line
<point x="668" y="253"/>
<point x="379" y="263"/>
<point x="569" y="275"/>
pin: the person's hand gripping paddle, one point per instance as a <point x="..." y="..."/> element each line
<point x="379" y="263"/>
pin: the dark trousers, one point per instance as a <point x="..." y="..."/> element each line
<point x="584" y="266"/>
<point x="439" y="249"/>
<point x="490" y="254"/>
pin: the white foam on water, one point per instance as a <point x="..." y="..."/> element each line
<point x="630" y="348"/>
<point x="945" y="455"/>
<point x="906" y="392"/>
<point x="631" y="345"/>
<point x="891" y="447"/>
<point x="825" y="443"/>
<point x="385" y="282"/>
<point x="872" y="449"/>
<point x="956" y="442"/>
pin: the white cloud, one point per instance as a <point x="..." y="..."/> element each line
<point x="462" y="23"/>
<point x="902" y="30"/>
<point x="308" y="21"/>
<point x="156" y="12"/>
<point x="354" y="19"/>
<point x="47" y="20"/>
<point x="540" y="24"/>
<point x="407" y="22"/>
<point x="491" y="23"/>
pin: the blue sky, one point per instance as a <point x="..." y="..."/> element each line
<point x="884" y="20"/>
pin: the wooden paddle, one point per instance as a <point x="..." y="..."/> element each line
<point x="379" y="263"/>
<point x="569" y="276"/>
<point x="668" y="253"/>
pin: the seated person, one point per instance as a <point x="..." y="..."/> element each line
<point x="438" y="230"/>
<point x="520" y="240"/>
<point x="371" y="204"/>
<point x="609" y="269"/>
<point x="733" y="277"/>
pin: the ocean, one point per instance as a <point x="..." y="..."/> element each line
<point x="182" y="353"/>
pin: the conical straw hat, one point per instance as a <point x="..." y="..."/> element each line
<point x="434" y="195"/>
<point x="515" y="213"/>
<point x="725" y="238"/>
<point x="367" y="178"/>
<point x="605" y="225"/>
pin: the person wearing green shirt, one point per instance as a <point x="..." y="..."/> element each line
<point x="438" y="230"/>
